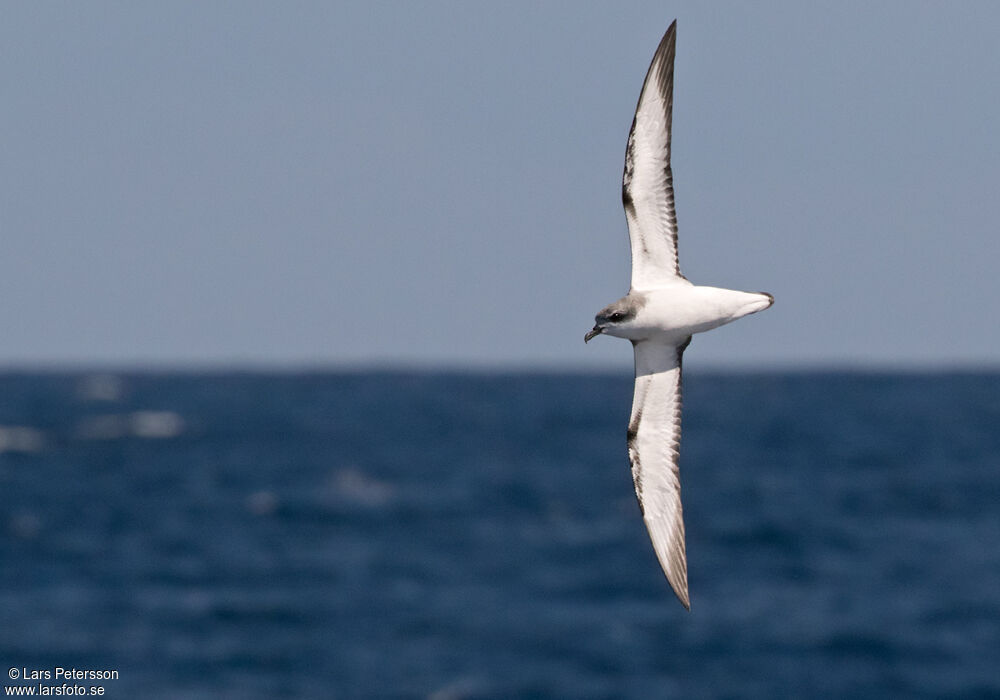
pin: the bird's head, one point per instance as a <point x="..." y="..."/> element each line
<point x="616" y="319"/>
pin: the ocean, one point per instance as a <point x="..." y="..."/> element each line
<point x="453" y="535"/>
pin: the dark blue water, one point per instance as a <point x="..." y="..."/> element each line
<point x="476" y="536"/>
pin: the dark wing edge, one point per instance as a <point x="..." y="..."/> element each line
<point x="661" y="75"/>
<point x="653" y="454"/>
<point x="664" y="56"/>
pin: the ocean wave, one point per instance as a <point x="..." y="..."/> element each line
<point x="20" y="438"/>
<point x="153" y="425"/>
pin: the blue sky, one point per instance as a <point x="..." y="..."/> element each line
<point x="439" y="183"/>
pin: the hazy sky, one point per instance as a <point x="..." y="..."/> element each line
<point x="432" y="183"/>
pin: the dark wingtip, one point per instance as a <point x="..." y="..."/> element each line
<point x="682" y="595"/>
<point x="668" y="36"/>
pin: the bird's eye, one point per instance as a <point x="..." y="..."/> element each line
<point x="617" y="316"/>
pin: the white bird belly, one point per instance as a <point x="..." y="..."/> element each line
<point x="682" y="310"/>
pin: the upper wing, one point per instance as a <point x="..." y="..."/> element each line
<point x="654" y="435"/>
<point x="648" y="184"/>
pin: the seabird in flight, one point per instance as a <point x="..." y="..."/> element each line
<point x="660" y="313"/>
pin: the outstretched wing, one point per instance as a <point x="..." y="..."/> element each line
<point x="654" y="435"/>
<point x="648" y="184"/>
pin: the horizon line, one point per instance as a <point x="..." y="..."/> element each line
<point x="219" y="366"/>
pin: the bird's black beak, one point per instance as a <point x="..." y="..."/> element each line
<point x="593" y="333"/>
